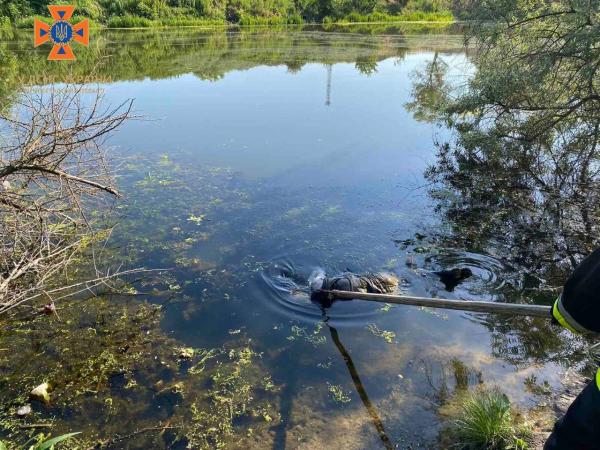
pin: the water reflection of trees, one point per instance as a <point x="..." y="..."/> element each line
<point x="519" y="177"/>
<point x="135" y="55"/>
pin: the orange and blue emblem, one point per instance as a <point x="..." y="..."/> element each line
<point x="61" y="32"/>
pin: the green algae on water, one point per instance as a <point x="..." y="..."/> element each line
<point x="109" y="362"/>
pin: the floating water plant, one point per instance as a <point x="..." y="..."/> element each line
<point x="196" y="219"/>
<point x="388" y="336"/>
<point x="387" y="307"/>
<point x="313" y="337"/>
<point x="338" y="394"/>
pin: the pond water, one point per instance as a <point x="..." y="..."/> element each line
<point x="262" y="156"/>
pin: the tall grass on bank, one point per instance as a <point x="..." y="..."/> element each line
<point x="355" y="17"/>
<point x="177" y="21"/>
<point x="129" y="22"/>
<point x="247" y="20"/>
<point x="183" y="21"/>
<point x="486" y="421"/>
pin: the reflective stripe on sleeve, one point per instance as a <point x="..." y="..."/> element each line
<point x="565" y="319"/>
<point x="558" y="316"/>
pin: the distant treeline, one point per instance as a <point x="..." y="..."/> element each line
<point x="133" y="13"/>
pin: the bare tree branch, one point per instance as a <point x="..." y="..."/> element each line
<point x="53" y="168"/>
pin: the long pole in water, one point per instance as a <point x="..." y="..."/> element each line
<point x="463" y="305"/>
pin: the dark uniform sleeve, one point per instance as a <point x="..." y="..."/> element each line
<point x="578" y="310"/>
<point x="579" y="428"/>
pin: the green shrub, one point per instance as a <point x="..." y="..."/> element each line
<point x="89" y="9"/>
<point x="486" y="421"/>
<point x="425" y="6"/>
<point x="211" y="9"/>
<point x="295" y="19"/>
<point x="5" y="23"/>
<point x="129" y="22"/>
<point x="15" y="9"/>
<point x="249" y="20"/>
<point x="27" y="22"/>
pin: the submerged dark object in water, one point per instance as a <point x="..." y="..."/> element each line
<point x="451" y="278"/>
<point x="377" y="283"/>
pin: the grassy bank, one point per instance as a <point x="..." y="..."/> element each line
<point x="377" y="17"/>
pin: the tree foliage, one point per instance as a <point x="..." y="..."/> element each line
<point x="229" y="10"/>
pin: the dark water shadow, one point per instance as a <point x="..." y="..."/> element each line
<point x="362" y="393"/>
<point x="286" y="404"/>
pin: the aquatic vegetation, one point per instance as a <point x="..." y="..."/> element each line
<point x="387" y="307"/>
<point x="542" y="389"/>
<point x="101" y="357"/>
<point x="41" y="442"/>
<point x="203" y="357"/>
<point x="338" y="394"/>
<point x="185" y="352"/>
<point x="197" y="220"/>
<point x="313" y="337"/>
<point x="388" y="336"/>
<point x="78" y="361"/>
<point x="230" y="396"/>
<point x="485" y="420"/>
<point x="151" y="180"/>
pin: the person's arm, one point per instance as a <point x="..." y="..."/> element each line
<point x="578" y="310"/>
<point x="578" y="307"/>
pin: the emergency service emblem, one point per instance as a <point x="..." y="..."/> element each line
<point x="61" y="32"/>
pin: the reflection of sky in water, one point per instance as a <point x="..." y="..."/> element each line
<point x="334" y="185"/>
<point x="267" y="121"/>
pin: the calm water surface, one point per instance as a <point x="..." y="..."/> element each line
<point x="262" y="156"/>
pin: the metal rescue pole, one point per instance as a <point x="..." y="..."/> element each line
<point x="463" y="305"/>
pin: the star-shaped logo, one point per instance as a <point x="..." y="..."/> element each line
<point x="61" y="32"/>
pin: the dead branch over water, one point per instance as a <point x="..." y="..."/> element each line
<point x="53" y="170"/>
